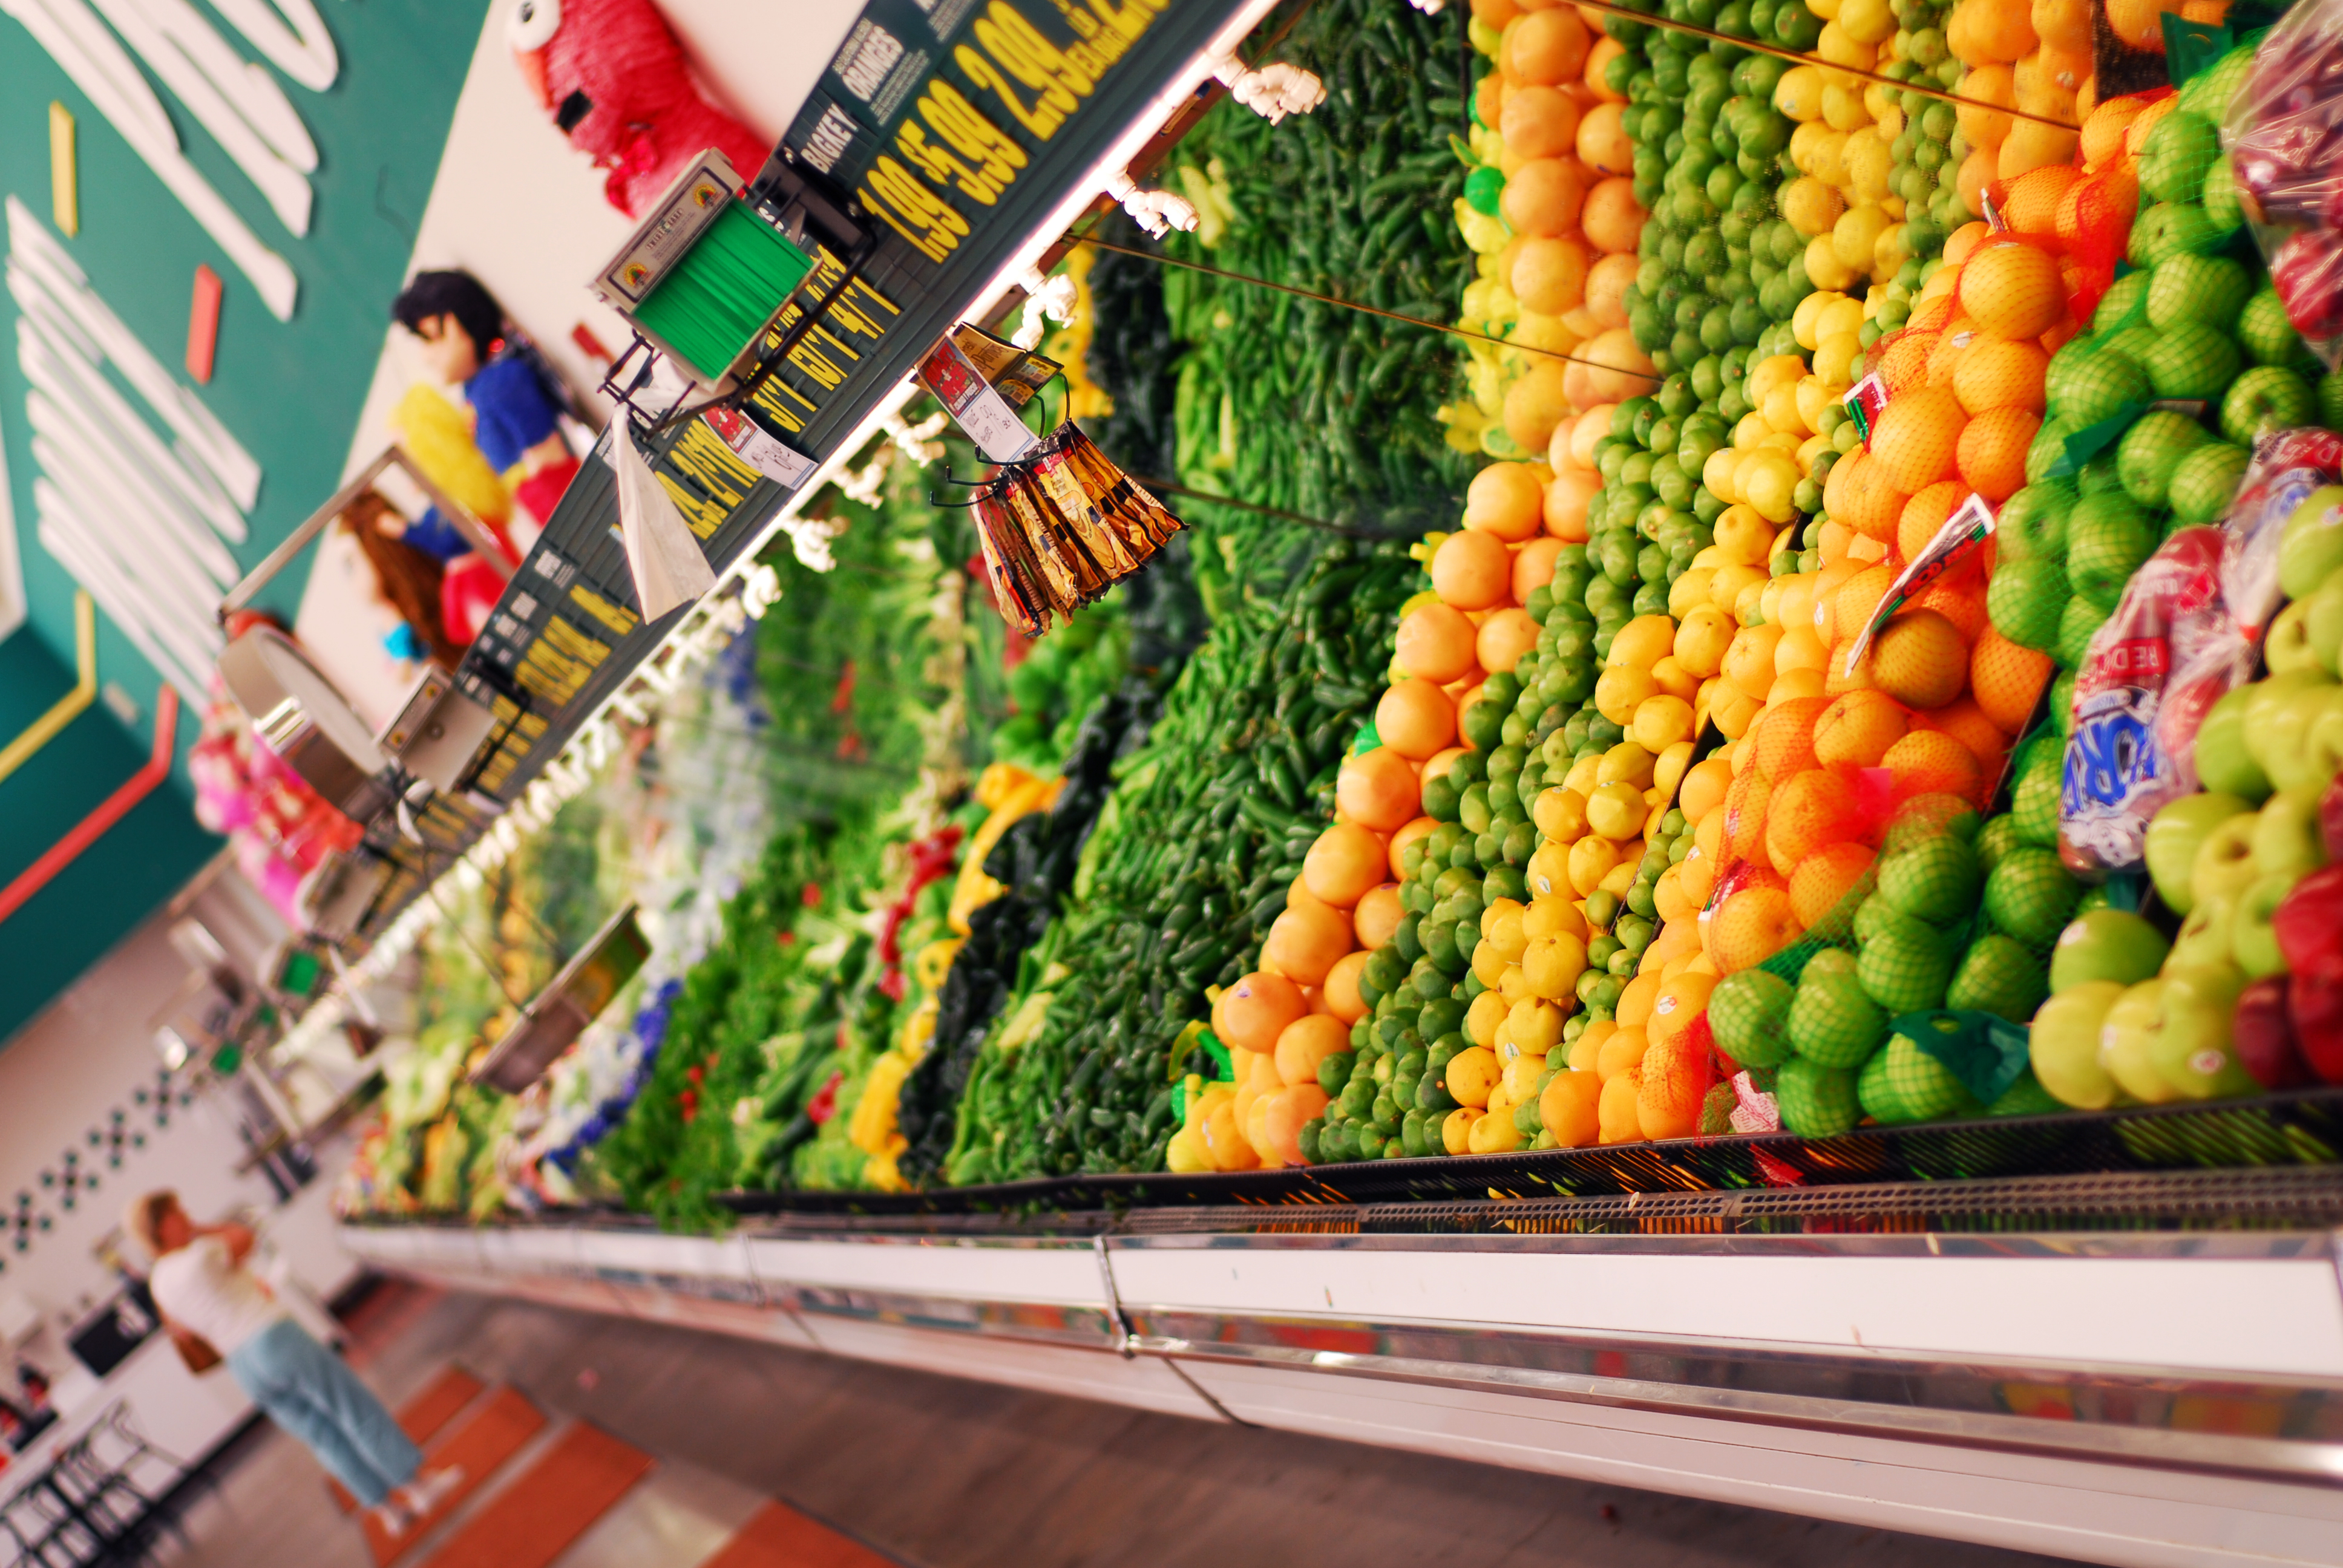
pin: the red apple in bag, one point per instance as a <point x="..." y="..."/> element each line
<point x="2309" y="923"/>
<point x="2263" y="1036"/>
<point x="2315" y="1008"/>
<point x="2330" y="819"/>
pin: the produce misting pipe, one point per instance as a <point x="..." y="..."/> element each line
<point x="1362" y="309"/>
<point x="1784" y="52"/>
<point x="1322" y="524"/>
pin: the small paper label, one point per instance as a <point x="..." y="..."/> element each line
<point x="754" y="445"/>
<point x="980" y="410"/>
<point x="1865" y="401"/>
<point x="1963" y="533"/>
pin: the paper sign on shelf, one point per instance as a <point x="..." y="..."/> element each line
<point x="1963" y="534"/>
<point x="974" y="404"/>
<point x="771" y="457"/>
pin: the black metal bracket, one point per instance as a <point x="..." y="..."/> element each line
<point x="621" y="386"/>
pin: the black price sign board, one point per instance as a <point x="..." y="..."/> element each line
<point x="958" y="125"/>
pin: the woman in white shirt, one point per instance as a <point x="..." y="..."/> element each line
<point x="204" y="1292"/>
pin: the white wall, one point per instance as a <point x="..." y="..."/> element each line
<point x="64" y="1075"/>
<point x="520" y="209"/>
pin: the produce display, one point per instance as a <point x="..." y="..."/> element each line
<point x="1847" y="633"/>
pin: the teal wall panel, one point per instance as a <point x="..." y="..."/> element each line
<point x="290" y="392"/>
<point x="134" y="867"/>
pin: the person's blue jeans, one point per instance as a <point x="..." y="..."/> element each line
<point x="311" y="1393"/>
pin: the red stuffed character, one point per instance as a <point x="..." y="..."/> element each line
<point x="613" y="76"/>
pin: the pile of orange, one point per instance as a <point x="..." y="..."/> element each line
<point x="1835" y="732"/>
<point x="1557" y="281"/>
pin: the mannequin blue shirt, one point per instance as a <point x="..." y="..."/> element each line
<point x="510" y="411"/>
<point x="510" y="414"/>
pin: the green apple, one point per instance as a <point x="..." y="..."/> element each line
<point x="2127" y="1040"/>
<point x="2204" y="482"/>
<point x="2331" y="400"/>
<point x="2025" y="599"/>
<point x="2287" y="644"/>
<point x="2265" y="332"/>
<point x="2174" y="158"/>
<point x="2222" y="764"/>
<point x="1746" y="1011"/>
<point x="1996" y="839"/>
<point x="1817" y="1101"/>
<point x="2322" y="754"/>
<point x="2223" y="210"/>
<point x="1999" y="976"/>
<point x="2030" y="895"/>
<point x="1877" y="920"/>
<point x="2252" y="940"/>
<point x="2099" y="476"/>
<point x="2127" y="295"/>
<point x="2266" y="397"/>
<point x="2208" y="290"/>
<point x="2190" y="359"/>
<point x="2106" y="945"/>
<point x="2035" y="804"/>
<point x="2171" y="228"/>
<point x="1831" y="1023"/>
<point x="2311" y="546"/>
<point x="2287" y="838"/>
<point x="2070" y="376"/>
<point x="2149" y="453"/>
<point x="2100" y="388"/>
<point x="2133" y="343"/>
<point x="2062" y="704"/>
<point x="2173" y="836"/>
<point x="2063" y="1044"/>
<point x="2078" y="625"/>
<point x="1903" y="1083"/>
<point x="1935" y="879"/>
<point x="2225" y="861"/>
<point x="2108" y="536"/>
<point x="2032" y="522"/>
<point x="2324" y="630"/>
<point x="2209" y="936"/>
<point x="2047" y="449"/>
<point x="1905" y="973"/>
<point x="2069" y="360"/>
<point x="2193" y="1052"/>
<point x="2211" y="91"/>
<point x="2280" y="725"/>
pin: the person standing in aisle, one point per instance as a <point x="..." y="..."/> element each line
<point x="206" y="1294"/>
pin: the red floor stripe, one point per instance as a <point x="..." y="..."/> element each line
<point x="781" y="1537"/>
<point x="535" y="1519"/>
<point x="422" y="1417"/>
<point x="481" y="1445"/>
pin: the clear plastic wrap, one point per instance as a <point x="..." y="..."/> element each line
<point x="2285" y="136"/>
<point x="2189" y="627"/>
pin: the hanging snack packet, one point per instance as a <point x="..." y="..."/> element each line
<point x="1018" y="588"/>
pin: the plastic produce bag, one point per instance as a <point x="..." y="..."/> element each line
<point x="2188" y="627"/>
<point x="2284" y="135"/>
<point x="669" y="567"/>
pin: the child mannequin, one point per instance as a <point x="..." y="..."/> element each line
<point x="515" y="413"/>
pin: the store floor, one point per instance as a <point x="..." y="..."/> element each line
<point x="933" y="1471"/>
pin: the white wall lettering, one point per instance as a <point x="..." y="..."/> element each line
<point x="232" y="98"/>
<point x="138" y="520"/>
<point x="296" y="41"/>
